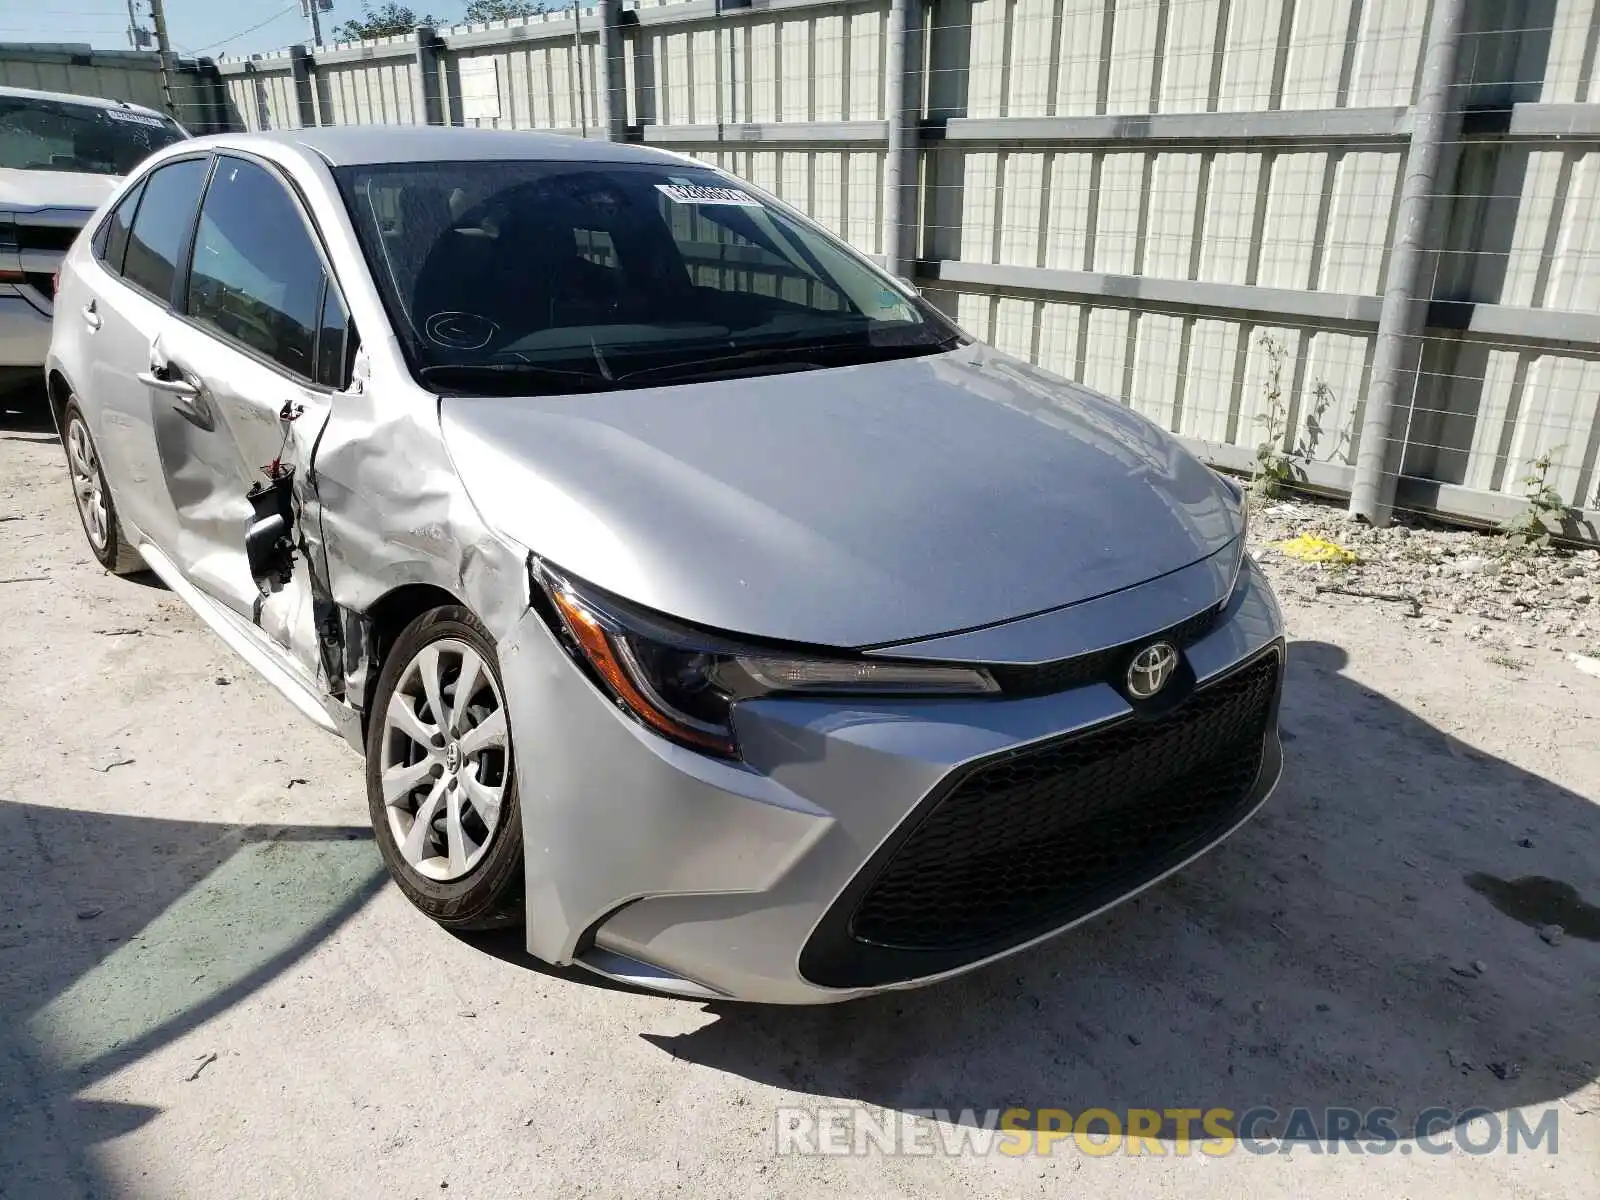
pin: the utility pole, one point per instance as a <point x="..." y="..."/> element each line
<point x="577" y="53"/>
<point x="158" y="18"/>
<point x="612" y="85"/>
<point x="311" y="7"/>
<point x="1391" y="396"/>
<point x="899" y="168"/>
<point x="138" y="36"/>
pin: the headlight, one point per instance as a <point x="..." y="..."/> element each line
<point x="683" y="683"/>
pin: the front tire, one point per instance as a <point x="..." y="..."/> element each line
<point x="440" y="781"/>
<point x="96" y="510"/>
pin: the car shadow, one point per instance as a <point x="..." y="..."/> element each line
<point x="25" y="415"/>
<point x="1349" y="947"/>
<point x="106" y="919"/>
<point x="509" y="946"/>
<point x="146" y="578"/>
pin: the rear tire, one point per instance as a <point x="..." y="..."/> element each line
<point x="441" y="785"/>
<point x="97" y="512"/>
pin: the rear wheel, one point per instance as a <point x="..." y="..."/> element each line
<point x="96" y="510"/>
<point x="440" y="783"/>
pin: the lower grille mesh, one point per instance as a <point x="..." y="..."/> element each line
<point x="1041" y="835"/>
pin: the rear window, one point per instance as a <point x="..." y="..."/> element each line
<point x="57" y="135"/>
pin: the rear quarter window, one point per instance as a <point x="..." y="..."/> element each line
<point x="111" y="240"/>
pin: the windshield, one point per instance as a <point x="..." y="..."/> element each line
<point x="555" y="277"/>
<point x="57" y="135"/>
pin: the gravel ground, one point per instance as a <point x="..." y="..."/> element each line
<point x="1508" y="597"/>
<point x="207" y="988"/>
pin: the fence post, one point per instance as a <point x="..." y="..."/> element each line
<point x="899" y="169"/>
<point x="211" y="110"/>
<point x="300" y="73"/>
<point x="429" y="110"/>
<point x="1396" y="358"/>
<point x="222" y="101"/>
<point x="258" y="92"/>
<point x="612" y="85"/>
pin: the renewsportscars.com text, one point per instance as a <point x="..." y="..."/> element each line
<point x="845" y="1130"/>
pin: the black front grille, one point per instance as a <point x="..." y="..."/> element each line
<point x="1028" y="841"/>
<point x="1099" y="666"/>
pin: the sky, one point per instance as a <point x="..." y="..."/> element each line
<point x="214" y="27"/>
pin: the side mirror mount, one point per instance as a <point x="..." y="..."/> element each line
<point x="269" y="542"/>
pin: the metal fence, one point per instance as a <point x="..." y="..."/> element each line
<point x="1362" y="231"/>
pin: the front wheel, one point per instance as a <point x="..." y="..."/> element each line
<point x="440" y="781"/>
<point x="96" y="509"/>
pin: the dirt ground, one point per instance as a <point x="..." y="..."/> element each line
<point x="208" y="988"/>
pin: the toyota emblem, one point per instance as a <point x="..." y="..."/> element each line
<point x="1151" y="668"/>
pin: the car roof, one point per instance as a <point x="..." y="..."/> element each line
<point x="351" y="145"/>
<point x="73" y="98"/>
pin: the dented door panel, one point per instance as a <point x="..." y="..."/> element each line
<point x="214" y="449"/>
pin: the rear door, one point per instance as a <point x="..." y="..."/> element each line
<point x="138" y="251"/>
<point x="252" y="353"/>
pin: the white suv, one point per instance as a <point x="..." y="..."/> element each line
<point x="61" y="157"/>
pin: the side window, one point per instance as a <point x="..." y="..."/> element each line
<point x="111" y="243"/>
<point x="256" y="277"/>
<point x="335" y="341"/>
<point x="161" y="224"/>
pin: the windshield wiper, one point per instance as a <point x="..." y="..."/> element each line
<point x="506" y="375"/>
<point x="806" y="357"/>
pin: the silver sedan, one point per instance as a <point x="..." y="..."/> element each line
<point x="702" y="600"/>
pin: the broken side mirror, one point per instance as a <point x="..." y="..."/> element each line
<point x="268" y="543"/>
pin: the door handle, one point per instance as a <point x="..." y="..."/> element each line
<point x="91" y="318"/>
<point x="188" y="401"/>
<point x="180" y="388"/>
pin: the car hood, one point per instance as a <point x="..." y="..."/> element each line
<point x="854" y="506"/>
<point x="23" y="190"/>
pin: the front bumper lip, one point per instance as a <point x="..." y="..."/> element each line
<point x="668" y="870"/>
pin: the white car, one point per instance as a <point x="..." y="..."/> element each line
<point x="61" y="157"/>
<point x="703" y="601"/>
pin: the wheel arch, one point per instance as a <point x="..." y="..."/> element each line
<point x="58" y="391"/>
<point x="383" y="623"/>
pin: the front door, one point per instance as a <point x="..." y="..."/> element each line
<point x="245" y="367"/>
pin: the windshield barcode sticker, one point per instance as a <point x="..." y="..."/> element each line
<point x="695" y="193"/>
<point x="132" y="118"/>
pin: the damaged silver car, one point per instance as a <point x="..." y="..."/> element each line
<point x="701" y="598"/>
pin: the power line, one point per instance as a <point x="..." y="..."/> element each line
<point x="284" y="11"/>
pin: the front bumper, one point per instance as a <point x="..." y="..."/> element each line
<point x="653" y="864"/>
